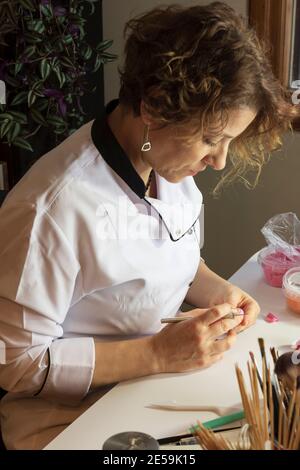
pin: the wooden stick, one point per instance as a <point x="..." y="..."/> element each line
<point x="271" y="408"/>
<point x="265" y="402"/>
<point x="274" y="355"/>
<point x="255" y="395"/>
<point x="294" y="426"/>
<point x="250" y="413"/>
<point x="296" y="442"/>
<point x="262" y="421"/>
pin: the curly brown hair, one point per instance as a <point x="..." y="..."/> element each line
<point x="191" y="66"/>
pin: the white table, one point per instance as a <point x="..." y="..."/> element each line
<point x="124" y="407"/>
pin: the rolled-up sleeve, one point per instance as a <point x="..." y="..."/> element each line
<point x="38" y="274"/>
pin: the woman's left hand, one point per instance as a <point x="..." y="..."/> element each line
<point x="209" y="289"/>
<point x="239" y="298"/>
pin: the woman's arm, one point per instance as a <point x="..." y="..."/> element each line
<point x="180" y="347"/>
<point x="123" y="360"/>
<point x="38" y="272"/>
<point x="207" y="287"/>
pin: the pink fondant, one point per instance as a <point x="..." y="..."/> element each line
<point x="275" y="265"/>
<point x="271" y="318"/>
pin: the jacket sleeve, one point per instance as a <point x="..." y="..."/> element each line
<point x="38" y="273"/>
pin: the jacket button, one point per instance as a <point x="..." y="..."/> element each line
<point x="190" y="231"/>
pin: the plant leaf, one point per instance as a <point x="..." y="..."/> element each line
<point x="18" y="66"/>
<point x="47" y="11"/>
<point x="59" y="130"/>
<point x="6" y="116"/>
<point x="92" y="11"/>
<point x="29" y="51"/>
<point x="14" y="132"/>
<point x="40" y="105"/>
<point x="81" y="31"/>
<point x="22" y="143"/>
<point x="45" y="69"/>
<point x="31" y="98"/>
<point x="12" y="81"/>
<point x="36" y="25"/>
<point x="5" y="126"/>
<point x="19" y="117"/>
<point x="107" y="57"/>
<point x="32" y="37"/>
<point x="56" y="121"/>
<point x="19" y="98"/>
<point x="98" y="63"/>
<point x="88" y="52"/>
<point x="60" y="75"/>
<point x="68" y="39"/>
<point x="27" y="4"/>
<point x="66" y="62"/>
<point x="54" y="62"/>
<point x="102" y="46"/>
<point x="38" y="117"/>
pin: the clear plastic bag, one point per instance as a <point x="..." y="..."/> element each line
<point x="282" y="232"/>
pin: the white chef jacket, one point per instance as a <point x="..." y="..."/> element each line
<point x="84" y="256"/>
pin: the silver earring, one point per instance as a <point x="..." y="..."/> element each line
<point x="147" y="144"/>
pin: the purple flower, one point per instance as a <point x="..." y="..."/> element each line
<point x="52" y="93"/>
<point x="62" y="106"/>
<point x="45" y="2"/>
<point x="59" y="96"/>
<point x="74" y="30"/>
<point x="59" y="11"/>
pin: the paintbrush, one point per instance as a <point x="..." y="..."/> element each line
<point x="211" y="424"/>
<point x="229" y="316"/>
<point x="259" y="434"/>
<point x="275" y="398"/>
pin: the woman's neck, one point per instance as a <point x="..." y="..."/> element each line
<point x="128" y="130"/>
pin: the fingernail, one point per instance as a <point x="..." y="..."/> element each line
<point x="238" y="311"/>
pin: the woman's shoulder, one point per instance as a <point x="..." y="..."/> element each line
<point x="55" y="170"/>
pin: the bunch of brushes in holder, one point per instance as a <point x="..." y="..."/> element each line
<point x="271" y="408"/>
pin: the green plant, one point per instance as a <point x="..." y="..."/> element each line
<point x="44" y="62"/>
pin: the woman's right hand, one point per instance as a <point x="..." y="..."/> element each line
<point x="193" y="344"/>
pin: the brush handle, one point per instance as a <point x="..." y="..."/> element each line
<point x="229" y="316"/>
<point x="215" y="423"/>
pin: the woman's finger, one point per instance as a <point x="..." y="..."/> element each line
<point x="224" y="326"/>
<point x="215" y="314"/>
<point x="251" y="310"/>
<point x="223" y="345"/>
<point x="197" y="312"/>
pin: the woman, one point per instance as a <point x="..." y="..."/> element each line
<point x="100" y="239"/>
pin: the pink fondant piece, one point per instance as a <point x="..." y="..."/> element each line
<point x="271" y="318"/>
<point x="275" y="265"/>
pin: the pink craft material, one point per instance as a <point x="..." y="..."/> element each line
<point x="296" y="345"/>
<point x="275" y="264"/>
<point x="271" y="318"/>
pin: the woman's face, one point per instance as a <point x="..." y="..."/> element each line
<point x="173" y="159"/>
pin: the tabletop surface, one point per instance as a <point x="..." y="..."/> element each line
<point x="124" y="408"/>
